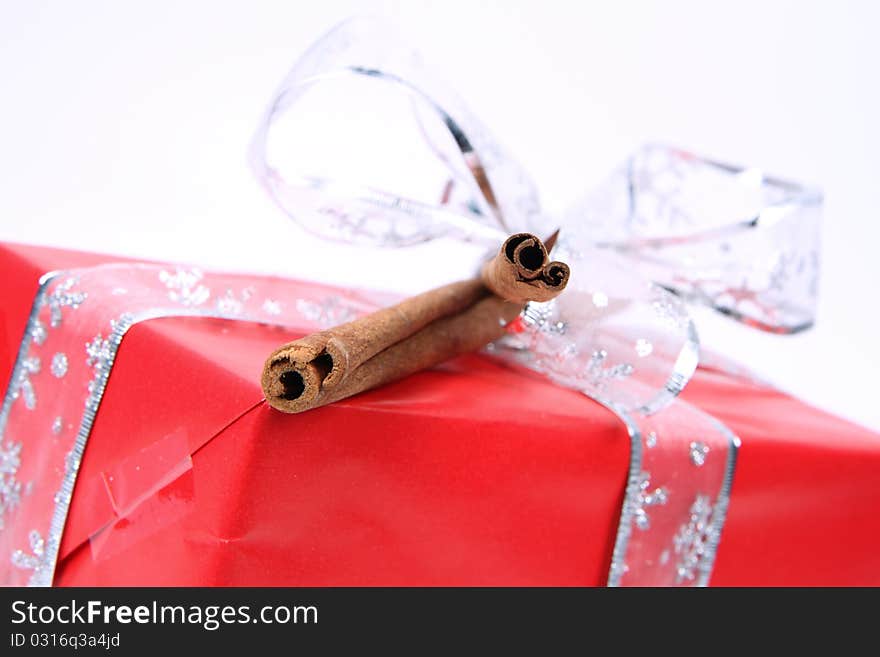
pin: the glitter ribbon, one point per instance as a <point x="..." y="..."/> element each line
<point x="667" y="227"/>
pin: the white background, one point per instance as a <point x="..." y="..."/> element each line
<point x="124" y="126"/>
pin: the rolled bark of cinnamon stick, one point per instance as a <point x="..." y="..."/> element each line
<point x="329" y="355"/>
<point x="520" y="272"/>
<point x="417" y="333"/>
<point x="451" y="336"/>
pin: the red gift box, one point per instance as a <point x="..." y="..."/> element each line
<point x="467" y="474"/>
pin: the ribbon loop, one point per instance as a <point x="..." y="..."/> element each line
<point x="436" y="171"/>
<point x="362" y="144"/>
<point x="731" y="238"/>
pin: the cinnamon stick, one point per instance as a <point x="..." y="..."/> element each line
<point x="328" y="356"/>
<point x="417" y="333"/>
<point x="521" y="271"/>
<point x="470" y="330"/>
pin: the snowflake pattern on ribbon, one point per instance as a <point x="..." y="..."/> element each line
<point x="328" y="312"/>
<point x="10" y="486"/>
<point x="63" y="296"/>
<point x="184" y="286"/>
<point x="128" y="294"/>
<point x="692" y="541"/>
<point x="36" y="559"/>
<point x="645" y="499"/>
<point x="22" y="386"/>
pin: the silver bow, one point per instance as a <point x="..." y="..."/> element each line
<point x="362" y="144"/>
<point x="667" y="226"/>
<point x="359" y="115"/>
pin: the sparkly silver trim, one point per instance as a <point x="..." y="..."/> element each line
<point x="634" y="503"/>
<point x="722" y="502"/>
<point x="36" y="331"/>
<point x="100" y="353"/>
<point x="688" y="358"/>
<point x="630" y="501"/>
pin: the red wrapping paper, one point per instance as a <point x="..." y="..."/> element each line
<point x="467" y="474"/>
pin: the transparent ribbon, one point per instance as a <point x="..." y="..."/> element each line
<point x="363" y="144"/>
<point x="359" y="116"/>
<point x="76" y="326"/>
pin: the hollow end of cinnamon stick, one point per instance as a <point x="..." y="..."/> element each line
<point x="291" y="385"/>
<point x="521" y="271"/>
<point x="526" y="253"/>
<point x="556" y="275"/>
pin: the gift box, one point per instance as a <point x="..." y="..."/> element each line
<point x="471" y="473"/>
<point x="588" y="443"/>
